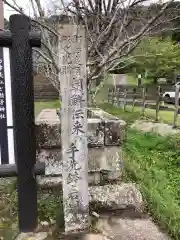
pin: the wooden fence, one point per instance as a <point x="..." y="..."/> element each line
<point x="142" y="97"/>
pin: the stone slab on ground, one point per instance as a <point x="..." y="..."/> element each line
<point x="158" y="128"/>
<point x="48" y="115"/>
<point x="112" y="197"/>
<point x="33" y="236"/>
<point x="94" y="237"/>
<point x="117" y="228"/>
<point x="117" y="196"/>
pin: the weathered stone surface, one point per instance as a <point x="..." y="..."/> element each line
<point x="115" y="128"/>
<point x="48" y="135"/>
<point x="129" y="229"/>
<point x="117" y="196"/>
<point x="158" y="128"/>
<point x="95" y="133"/>
<point x="33" y="236"/>
<point x="94" y="237"/>
<point x="103" y="163"/>
<point x="115" y="132"/>
<point x="106" y="158"/>
<point x="49" y="182"/>
<point x="103" y="129"/>
<point x="113" y="197"/>
<point x="48" y="129"/>
<point x="48" y="116"/>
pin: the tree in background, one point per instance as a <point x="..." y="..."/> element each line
<point x="157" y="58"/>
<point x="176" y="32"/>
<point x="114" y="29"/>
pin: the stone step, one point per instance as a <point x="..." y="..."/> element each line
<point x="109" y="198"/>
<point x="116" y="197"/>
<point x="104" y="165"/>
<point x="103" y="129"/>
<point x="128" y="229"/>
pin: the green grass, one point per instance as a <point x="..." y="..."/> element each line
<point x="39" y="105"/>
<point x="154" y="163"/>
<point x="128" y="115"/>
<point x="103" y="93"/>
<point x="132" y="80"/>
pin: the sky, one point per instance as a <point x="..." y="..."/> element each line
<point x="22" y="3"/>
<point x="27" y="7"/>
<point x="8" y="11"/>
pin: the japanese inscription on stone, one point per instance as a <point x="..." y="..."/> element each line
<point x="72" y="76"/>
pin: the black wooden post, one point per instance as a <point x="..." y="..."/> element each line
<point x="24" y="125"/>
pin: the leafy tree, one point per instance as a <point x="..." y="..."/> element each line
<point x="157" y="58"/>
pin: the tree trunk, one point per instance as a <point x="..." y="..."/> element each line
<point x="155" y="80"/>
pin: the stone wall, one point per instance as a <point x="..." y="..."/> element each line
<point x="43" y="89"/>
<point x="105" y="134"/>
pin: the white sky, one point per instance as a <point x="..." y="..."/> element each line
<point x="26" y="6"/>
<point x="8" y="11"/>
<point x="22" y="3"/>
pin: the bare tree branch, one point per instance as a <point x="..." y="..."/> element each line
<point x="114" y="29"/>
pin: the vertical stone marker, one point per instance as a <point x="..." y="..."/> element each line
<point x="72" y="63"/>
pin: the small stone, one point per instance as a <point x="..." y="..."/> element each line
<point x="33" y="236"/>
<point x="158" y="128"/>
<point x="128" y="229"/>
<point x="52" y="221"/>
<point x="44" y="223"/>
<point x="95" y="237"/>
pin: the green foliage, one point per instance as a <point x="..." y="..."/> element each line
<point x="50" y="207"/>
<point x="40" y="105"/>
<point x="127" y="116"/>
<point x="157" y="58"/>
<point x="154" y="163"/>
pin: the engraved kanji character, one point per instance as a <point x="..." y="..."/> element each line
<point x="77" y="57"/>
<point x="1" y="95"/>
<point x="72" y="151"/>
<point x="1" y="75"/>
<point x="2" y="116"/>
<point x="1" y="102"/>
<point x="77" y="128"/>
<point x="73" y="176"/>
<point x="79" y="113"/>
<point x="77" y="84"/>
<point x="2" y="109"/>
<point x="76" y="98"/>
<point x="67" y="59"/>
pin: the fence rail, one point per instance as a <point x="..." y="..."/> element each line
<point x="142" y="97"/>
